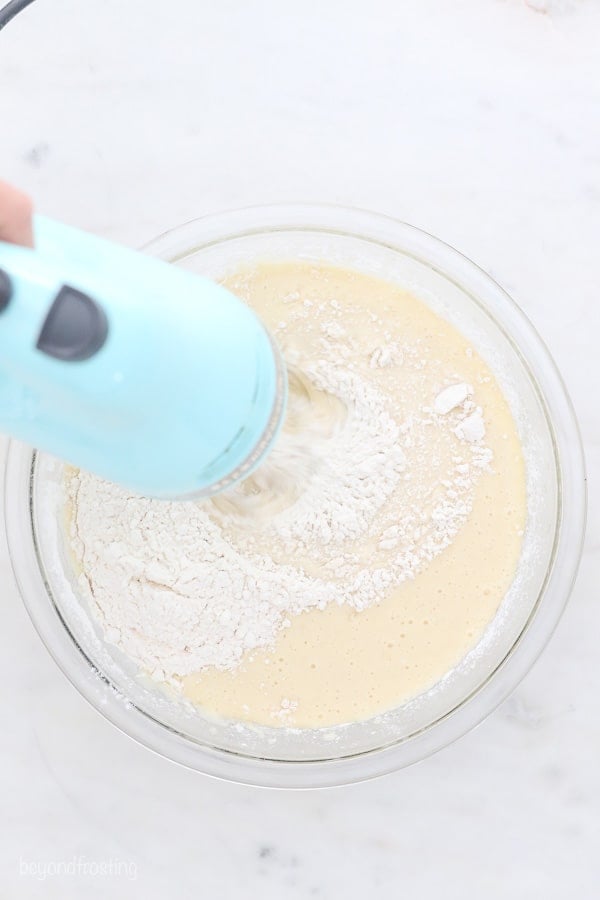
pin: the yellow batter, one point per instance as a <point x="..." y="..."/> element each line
<point x="338" y="664"/>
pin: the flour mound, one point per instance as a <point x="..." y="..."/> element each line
<point x="185" y="585"/>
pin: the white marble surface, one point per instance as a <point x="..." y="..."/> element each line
<point x="477" y="120"/>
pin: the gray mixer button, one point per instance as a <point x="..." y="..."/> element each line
<point x="75" y="327"/>
<point x="5" y="290"/>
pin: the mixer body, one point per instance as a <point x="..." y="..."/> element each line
<point x="136" y="370"/>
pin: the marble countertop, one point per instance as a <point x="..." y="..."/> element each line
<point x="478" y="120"/>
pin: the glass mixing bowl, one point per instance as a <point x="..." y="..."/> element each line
<point x="283" y="757"/>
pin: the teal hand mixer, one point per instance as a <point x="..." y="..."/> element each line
<point x="138" y="371"/>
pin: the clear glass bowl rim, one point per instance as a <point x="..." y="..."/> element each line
<point x="218" y="228"/>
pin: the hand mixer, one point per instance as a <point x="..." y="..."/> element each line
<point x="138" y="371"/>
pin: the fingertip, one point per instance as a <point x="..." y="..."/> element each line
<point x="16" y="216"/>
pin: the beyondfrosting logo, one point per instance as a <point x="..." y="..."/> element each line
<point x="78" y="866"/>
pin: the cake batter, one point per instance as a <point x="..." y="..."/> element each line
<point x="364" y="560"/>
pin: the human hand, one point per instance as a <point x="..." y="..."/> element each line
<point x="16" y="224"/>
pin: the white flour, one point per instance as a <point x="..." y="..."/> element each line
<point x="182" y="586"/>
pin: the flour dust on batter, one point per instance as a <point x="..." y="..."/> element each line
<point x="363" y="560"/>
